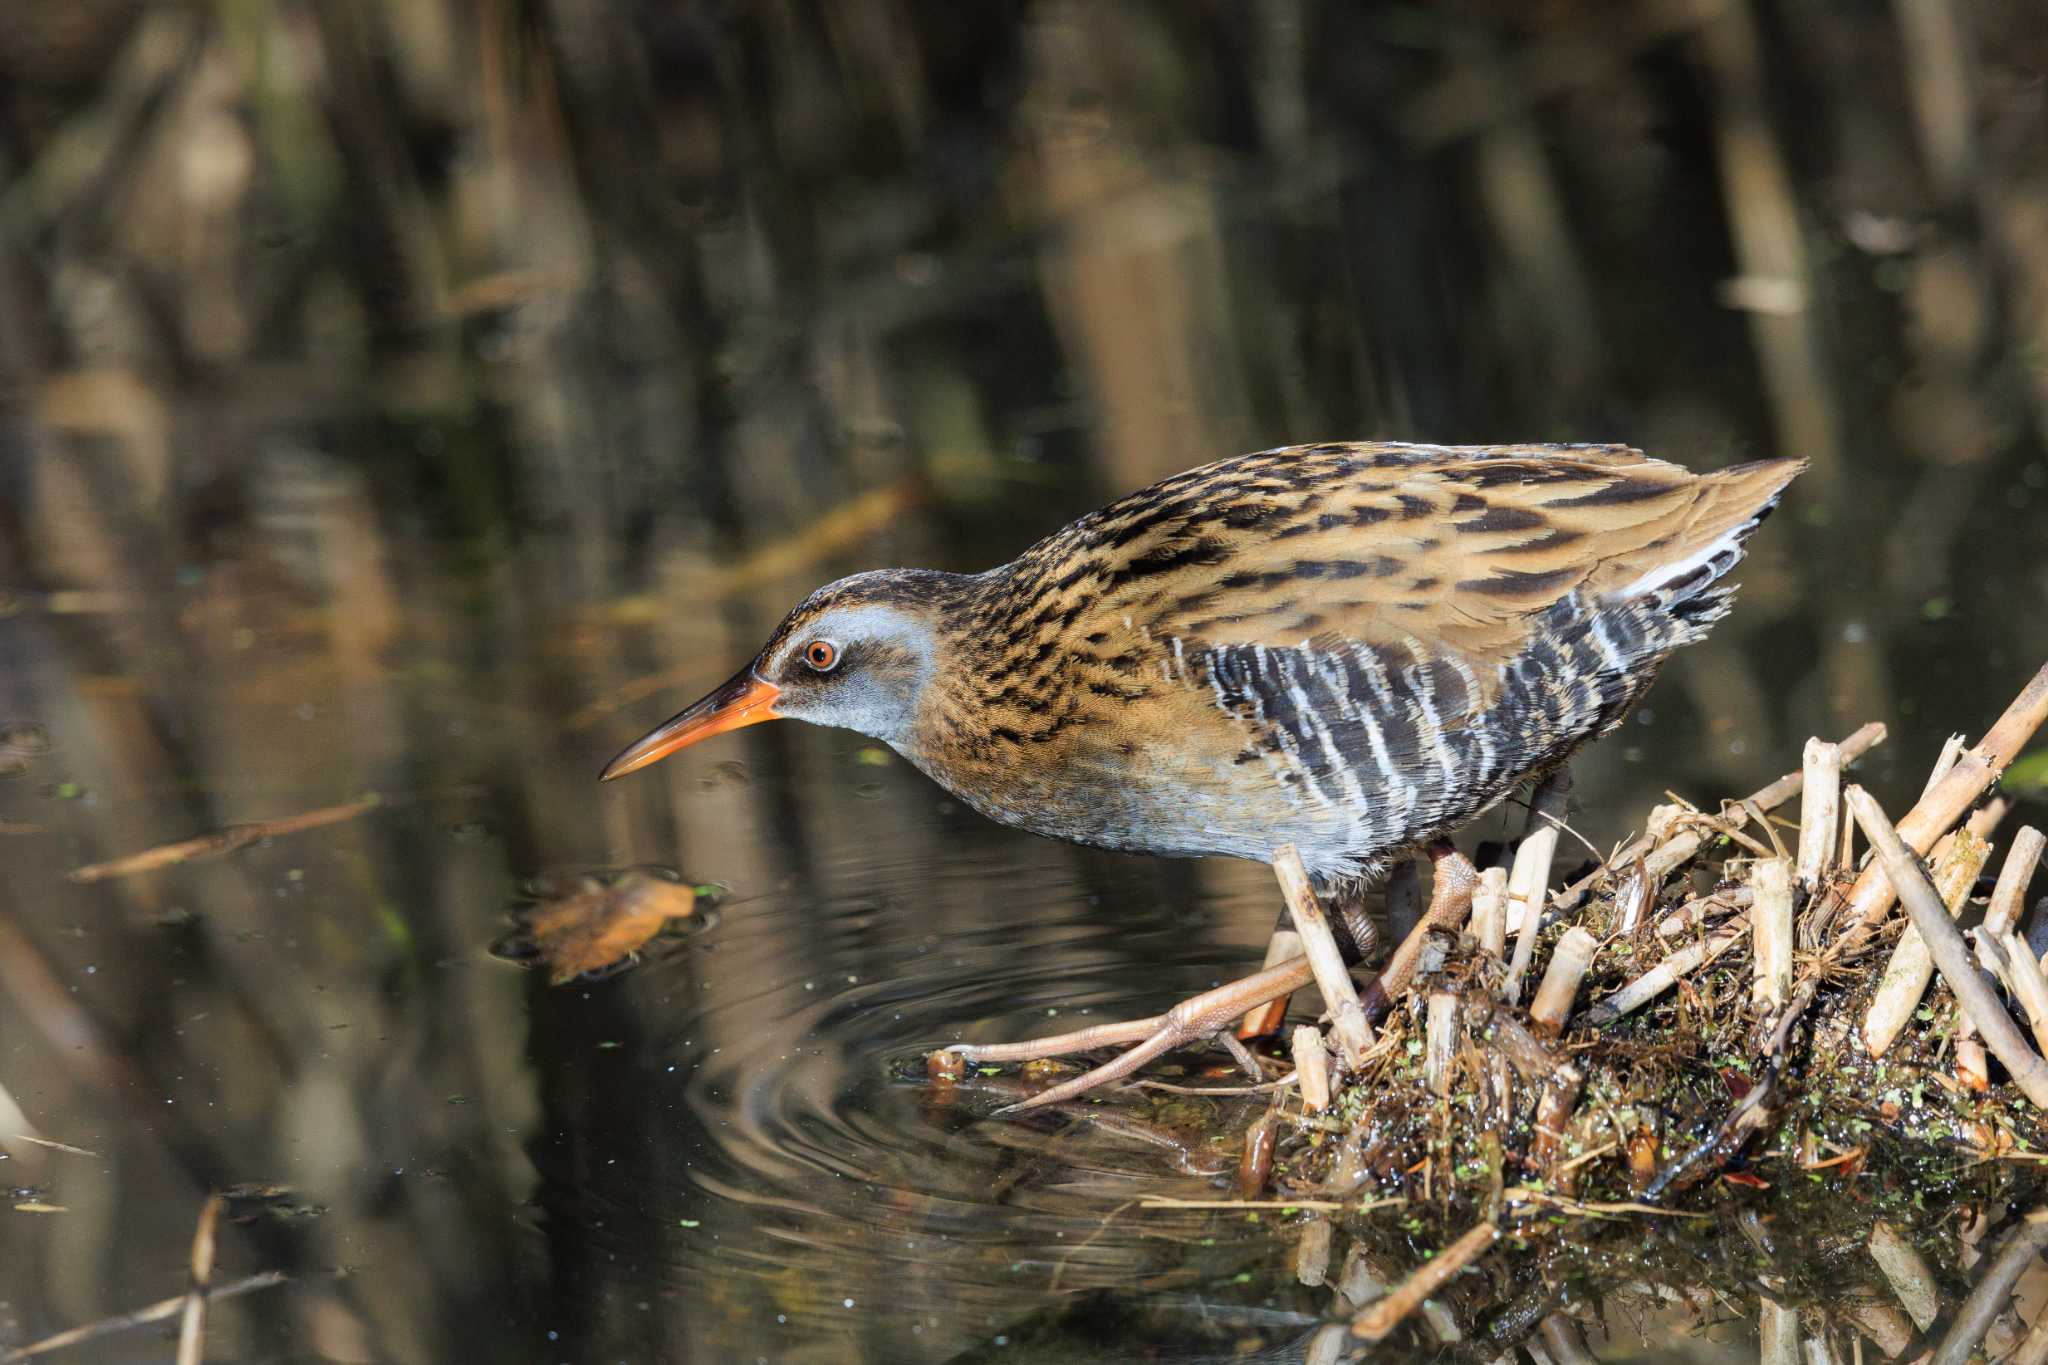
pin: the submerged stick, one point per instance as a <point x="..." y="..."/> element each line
<point x="1911" y="1278"/>
<point x="1945" y="942"/>
<point x="1340" y="995"/>
<point x="1312" y="1253"/>
<point x="1988" y="1298"/>
<point x="1560" y="985"/>
<point x="141" y="1317"/>
<point x="192" y="1328"/>
<point x="1911" y="968"/>
<point x="1777" y="1331"/>
<point x="1770" y="920"/>
<point x="1530" y="879"/>
<point x="1383" y="1317"/>
<point x="1665" y="854"/>
<point x="221" y="842"/>
<point x="1820" y="810"/>
<point x="1944" y="804"/>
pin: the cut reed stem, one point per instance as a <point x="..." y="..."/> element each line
<point x="1440" y="1046"/>
<point x="1560" y="986"/>
<point x="1340" y="994"/>
<point x="1312" y="1068"/>
<point x="1490" y="912"/>
<point x="1820" y="810"/>
<point x="1770" y="920"/>
<point x="1530" y="879"/>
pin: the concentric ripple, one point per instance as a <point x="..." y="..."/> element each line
<point x="782" y="1142"/>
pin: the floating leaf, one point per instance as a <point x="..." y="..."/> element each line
<point x="589" y="924"/>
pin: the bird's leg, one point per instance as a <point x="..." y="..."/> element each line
<point x="1450" y="902"/>
<point x="1193" y="1019"/>
<point x="1204" y="1015"/>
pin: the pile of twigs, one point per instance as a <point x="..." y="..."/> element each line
<point x="1728" y="998"/>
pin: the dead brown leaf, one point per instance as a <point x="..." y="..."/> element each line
<point x="590" y="924"/>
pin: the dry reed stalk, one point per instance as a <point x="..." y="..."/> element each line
<point x="1820" y="810"/>
<point x="1770" y="921"/>
<point x="1432" y="1275"/>
<point x="1911" y="1278"/>
<point x="1312" y="1068"/>
<point x="1569" y="962"/>
<point x="1777" y="1330"/>
<point x="192" y="1327"/>
<point x="1945" y="943"/>
<point x="141" y="1317"/>
<point x="2028" y="984"/>
<point x="2009" y="895"/>
<point x="1664" y="850"/>
<point x="1312" y="1253"/>
<point x="1530" y="879"/>
<point x="1911" y="968"/>
<point x="1988" y="1298"/>
<point x="1951" y="750"/>
<point x="1440" y="1046"/>
<point x="1490" y="912"/>
<point x="1696" y="911"/>
<point x="1944" y="804"/>
<point x="1340" y="995"/>
<point x="1665" y="974"/>
<point x="1818" y="1352"/>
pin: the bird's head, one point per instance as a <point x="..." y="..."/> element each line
<point x="855" y="653"/>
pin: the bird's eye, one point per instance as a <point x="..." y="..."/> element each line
<point x="821" y="655"/>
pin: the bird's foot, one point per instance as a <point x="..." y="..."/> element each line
<point x="1198" y="1017"/>
<point x="1205" y="1015"/>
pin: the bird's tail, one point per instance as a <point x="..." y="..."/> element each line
<point x="1731" y="504"/>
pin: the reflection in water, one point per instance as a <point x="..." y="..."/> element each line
<point x="416" y="400"/>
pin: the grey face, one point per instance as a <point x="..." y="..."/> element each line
<point x="859" y="667"/>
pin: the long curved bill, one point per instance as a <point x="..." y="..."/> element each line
<point x="744" y="700"/>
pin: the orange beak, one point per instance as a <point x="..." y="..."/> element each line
<point x="745" y="700"/>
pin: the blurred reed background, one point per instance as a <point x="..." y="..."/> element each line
<point x="419" y="396"/>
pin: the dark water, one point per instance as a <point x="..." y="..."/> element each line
<point x="424" y="404"/>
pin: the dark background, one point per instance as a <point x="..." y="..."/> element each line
<point x="423" y="396"/>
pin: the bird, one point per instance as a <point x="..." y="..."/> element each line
<point x="1352" y="648"/>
